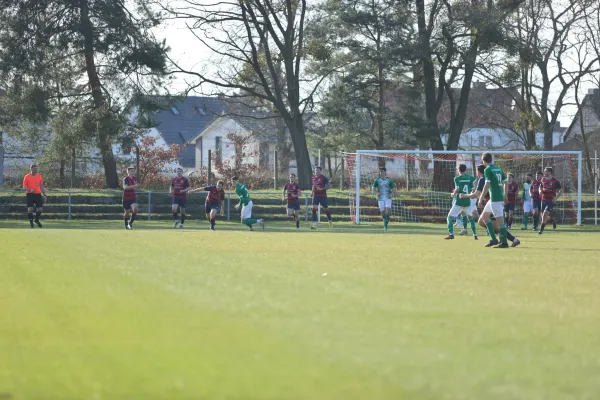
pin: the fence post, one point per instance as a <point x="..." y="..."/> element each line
<point x="305" y="207"/>
<point x="228" y="204"/>
<point x="149" y="203"/>
<point x="595" y="187"/>
<point x="209" y="167"/>
<point x="1" y="166"/>
<point x="275" y="172"/>
<point x="70" y="215"/>
<point x="342" y="174"/>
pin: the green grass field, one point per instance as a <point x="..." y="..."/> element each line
<point x="91" y="311"/>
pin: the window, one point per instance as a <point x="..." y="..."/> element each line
<point x="174" y="110"/>
<point x="485" y="141"/>
<point x="218" y="148"/>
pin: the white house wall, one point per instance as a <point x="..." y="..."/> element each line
<point x="220" y="128"/>
<point x="501" y="139"/>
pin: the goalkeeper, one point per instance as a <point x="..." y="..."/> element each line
<point x="384" y="189"/>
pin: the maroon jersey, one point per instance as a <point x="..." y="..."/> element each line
<point x="214" y="195"/>
<point x="293" y="190"/>
<point x="535" y="190"/>
<point x="511" y="192"/>
<point x="319" y="182"/>
<point x="129" y="194"/>
<point x="178" y="185"/>
<point x="549" y="188"/>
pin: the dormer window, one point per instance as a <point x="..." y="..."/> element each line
<point x="174" y="110"/>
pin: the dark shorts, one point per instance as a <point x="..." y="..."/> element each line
<point x="212" y="206"/>
<point x="509" y="207"/>
<point x="180" y="202"/>
<point x="34" y="199"/>
<point x="537" y="204"/>
<point x="293" y="205"/>
<point x="322" y="200"/>
<point x="547" y="205"/>
<point x="127" y="204"/>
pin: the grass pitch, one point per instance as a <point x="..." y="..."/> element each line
<point x="91" y="311"/>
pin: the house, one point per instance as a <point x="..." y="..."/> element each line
<point x="267" y="128"/>
<point x="490" y="120"/>
<point x="589" y="112"/>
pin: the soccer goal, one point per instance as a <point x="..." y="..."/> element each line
<point x="424" y="179"/>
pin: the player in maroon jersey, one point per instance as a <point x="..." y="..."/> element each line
<point x="292" y="190"/>
<point x="180" y="186"/>
<point x="130" y="198"/>
<point x="536" y="199"/>
<point x="511" y="189"/>
<point x="215" y="202"/>
<point x="550" y="190"/>
<point x="320" y="184"/>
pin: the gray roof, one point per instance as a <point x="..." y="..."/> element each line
<point x="183" y="120"/>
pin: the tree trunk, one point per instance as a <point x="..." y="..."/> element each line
<point x="63" y="162"/>
<point x="108" y="159"/>
<point x="303" y="164"/>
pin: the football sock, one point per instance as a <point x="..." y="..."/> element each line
<point x="509" y="221"/>
<point x="212" y="222"/>
<point x="472" y="222"/>
<point x="464" y="221"/>
<point x="126" y="220"/>
<point x="450" y="226"/>
<point x="386" y="220"/>
<point x="503" y="232"/>
<point x="491" y="230"/>
<point x="314" y="215"/>
<point x="542" y="228"/>
<point x="525" y="220"/>
<point x="535" y="221"/>
<point x="249" y="222"/>
<point x="37" y="215"/>
<point x="328" y="215"/>
<point x="182" y="218"/>
<point x="132" y="218"/>
<point x="297" y="223"/>
<point x="509" y="236"/>
<point x="30" y="216"/>
<point x="175" y="216"/>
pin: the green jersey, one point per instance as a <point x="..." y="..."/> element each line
<point x="243" y="194"/>
<point x="385" y="187"/>
<point x="496" y="177"/>
<point x="464" y="183"/>
<point x="526" y="195"/>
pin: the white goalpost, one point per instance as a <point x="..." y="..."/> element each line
<point x="424" y="179"/>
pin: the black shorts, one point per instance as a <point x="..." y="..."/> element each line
<point x="547" y="205"/>
<point x="128" y="203"/>
<point x="180" y="202"/>
<point x="509" y="207"/>
<point x="35" y="199"/>
<point x="537" y="204"/>
<point x="212" y="206"/>
<point x="322" y="200"/>
<point x="293" y="205"/>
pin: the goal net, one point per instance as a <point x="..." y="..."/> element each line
<point x="424" y="180"/>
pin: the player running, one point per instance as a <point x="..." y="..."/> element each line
<point x="536" y="199"/>
<point x="526" y="201"/>
<point x="463" y="184"/>
<point x="550" y="190"/>
<point x="130" y="198"/>
<point x="215" y="202"/>
<point x="494" y="178"/>
<point x="384" y="189"/>
<point x="33" y="183"/>
<point x="476" y="193"/>
<point x="292" y="190"/>
<point x="246" y="204"/>
<point x="180" y="186"/>
<point x="510" y="188"/>
<point x="320" y="184"/>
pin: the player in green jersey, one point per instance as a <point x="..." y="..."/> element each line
<point x="463" y="184"/>
<point x="246" y="204"/>
<point x="494" y="180"/>
<point x="384" y="188"/>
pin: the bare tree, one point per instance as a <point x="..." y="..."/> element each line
<point x="258" y="48"/>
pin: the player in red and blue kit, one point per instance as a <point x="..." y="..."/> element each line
<point x="511" y="189"/>
<point x="180" y="185"/>
<point x="550" y="190"/>
<point x="129" y="198"/>
<point x="215" y="202"/>
<point x="320" y="184"/>
<point x="536" y="199"/>
<point x="292" y="190"/>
